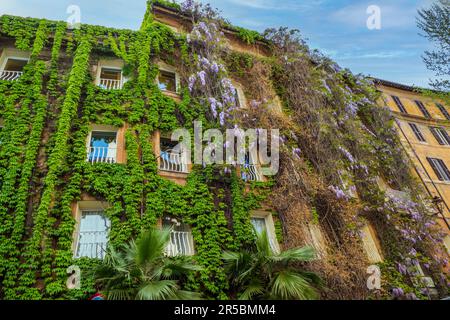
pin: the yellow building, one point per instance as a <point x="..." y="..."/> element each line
<point x="423" y="125"/>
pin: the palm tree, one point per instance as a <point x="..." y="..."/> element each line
<point x="260" y="273"/>
<point x="140" y="270"/>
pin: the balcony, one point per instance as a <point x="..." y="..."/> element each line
<point x="181" y="243"/>
<point x="102" y="155"/>
<point x="10" y="75"/>
<point x="110" y="78"/>
<point x="110" y="84"/>
<point x="102" y="147"/>
<point x="173" y="162"/>
<point x="92" y="244"/>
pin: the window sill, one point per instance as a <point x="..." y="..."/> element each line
<point x="171" y="94"/>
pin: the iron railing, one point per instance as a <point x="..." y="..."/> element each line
<point x="102" y="154"/>
<point x="173" y="162"/>
<point x="181" y="243"/>
<point x="10" y="75"/>
<point x="92" y="244"/>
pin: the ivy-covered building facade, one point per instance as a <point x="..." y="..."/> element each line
<point x="86" y="158"/>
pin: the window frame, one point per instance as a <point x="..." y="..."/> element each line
<point x="399" y="104"/>
<point x="443" y="110"/>
<point x="441" y="135"/>
<point x="85" y="206"/>
<point x="162" y="66"/>
<point x="270" y="227"/>
<point x="440" y="169"/>
<point x="105" y="129"/>
<point x="423" y="109"/>
<point x="417" y="132"/>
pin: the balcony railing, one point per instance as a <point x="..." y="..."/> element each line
<point x="102" y="154"/>
<point x="250" y="172"/>
<point x="92" y="244"/>
<point x="173" y="162"/>
<point x="180" y="244"/>
<point x="10" y="75"/>
<point x="109" y="84"/>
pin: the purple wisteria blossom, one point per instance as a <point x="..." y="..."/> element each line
<point x="296" y="152"/>
<point x="340" y="194"/>
<point x="397" y="292"/>
<point x="347" y="154"/>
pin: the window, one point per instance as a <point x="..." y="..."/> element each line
<point x="443" y="111"/>
<point x="399" y="104"/>
<point x="315" y="238"/>
<point x="423" y="109"/>
<point x="250" y="170"/>
<point x="110" y="78"/>
<point x="181" y="240"/>
<point x="13" y="68"/>
<point x="370" y="244"/>
<point x="441" y="135"/>
<point x="263" y="222"/>
<point x="102" y="147"/>
<point x="440" y="169"/>
<point x="167" y="81"/>
<point x="93" y="233"/>
<point x="172" y="157"/>
<point x="417" y="132"/>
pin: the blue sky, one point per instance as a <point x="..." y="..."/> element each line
<point x="336" y="27"/>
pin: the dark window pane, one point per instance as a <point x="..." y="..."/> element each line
<point x="15" y="64"/>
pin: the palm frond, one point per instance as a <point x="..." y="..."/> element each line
<point x="303" y="254"/>
<point x="289" y="285"/>
<point x="158" y="290"/>
<point x="254" y="289"/>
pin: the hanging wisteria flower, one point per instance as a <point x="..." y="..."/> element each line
<point x="340" y="194"/>
<point x="397" y="292"/>
<point x="347" y="154"/>
<point x="296" y="152"/>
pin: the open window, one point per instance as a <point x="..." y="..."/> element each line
<point x="181" y="240"/>
<point x="172" y="157"/>
<point x="92" y="230"/>
<point x="263" y="222"/>
<point x="12" y="64"/>
<point x="109" y="75"/>
<point x="102" y="146"/>
<point x="168" y="79"/>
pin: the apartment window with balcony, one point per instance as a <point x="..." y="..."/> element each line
<point x="13" y="68"/>
<point x="423" y="109"/>
<point x="110" y="78"/>
<point x="399" y="104"/>
<point x="92" y="237"/>
<point x="172" y="157"/>
<point x="250" y="171"/>
<point x="440" y="169"/>
<point x="415" y="129"/>
<point x="443" y="111"/>
<point x="263" y="222"/>
<point x="181" y="240"/>
<point x="102" y="147"/>
<point x="441" y="135"/>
